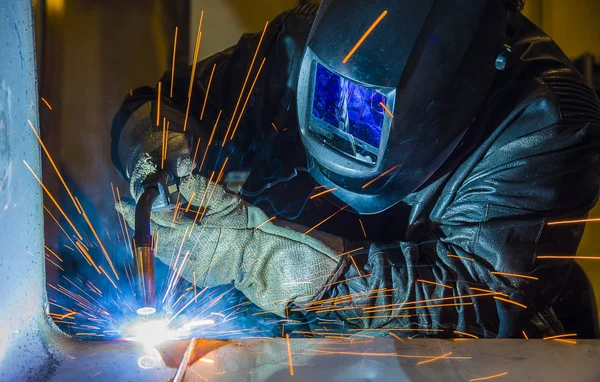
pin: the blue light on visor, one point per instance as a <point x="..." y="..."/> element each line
<point x="348" y="107"/>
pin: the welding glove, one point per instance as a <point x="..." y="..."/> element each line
<point x="223" y="239"/>
<point x="141" y="144"/>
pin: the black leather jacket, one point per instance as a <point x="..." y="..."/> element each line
<point x="430" y="262"/>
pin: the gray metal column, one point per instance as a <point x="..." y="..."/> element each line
<point x="24" y="353"/>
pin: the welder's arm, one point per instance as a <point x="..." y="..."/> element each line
<point x="222" y="239"/>
<point x="494" y="220"/>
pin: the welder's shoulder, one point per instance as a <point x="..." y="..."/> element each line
<point x="552" y="89"/>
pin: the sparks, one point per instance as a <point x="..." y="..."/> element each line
<point x="324" y="220"/>
<point x="510" y="302"/>
<point x="245" y="81"/>
<point x="47" y="104"/>
<point x="207" y="91"/>
<point x="434" y="283"/>
<point x="434" y="359"/>
<point x="289" y="352"/>
<point x="323" y="192"/>
<point x="247" y="98"/>
<point x="158" y="103"/>
<point x="265" y="222"/>
<point x="362" y="227"/>
<point x="386" y="110"/>
<point x="193" y="74"/>
<point x="489" y="377"/>
<point x="364" y="36"/>
<point x="460" y="257"/>
<point x="380" y="176"/>
<point x="515" y="275"/>
<point x="212" y="134"/>
<point x="54" y="201"/>
<point x="560" y="336"/>
<point x="173" y="62"/>
<point x="574" y="221"/>
<point x="465" y="334"/>
<point x="275" y="127"/>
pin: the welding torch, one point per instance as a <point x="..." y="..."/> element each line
<point x="155" y="197"/>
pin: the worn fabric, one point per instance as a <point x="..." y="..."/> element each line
<point x="429" y="264"/>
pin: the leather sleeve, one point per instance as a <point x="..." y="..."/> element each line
<point x="540" y="165"/>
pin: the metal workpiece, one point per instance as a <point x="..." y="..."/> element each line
<point x="357" y="359"/>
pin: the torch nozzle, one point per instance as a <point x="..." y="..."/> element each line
<point x="143" y="254"/>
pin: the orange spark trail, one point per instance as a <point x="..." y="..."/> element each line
<point x="275" y="127"/>
<point x="57" y="223"/>
<point x="525" y="335"/>
<point x="380" y="176"/>
<point x="434" y="283"/>
<point x="570" y="257"/>
<point x="434" y="359"/>
<point x="327" y="218"/>
<point x="515" y="275"/>
<point x="173" y="62"/>
<point x="323" y="193"/>
<point x="213" y="190"/>
<point x="375" y="309"/>
<point x="187" y="209"/>
<point x="53" y="254"/>
<point x="198" y="38"/>
<point x="54" y="201"/>
<point x="362" y="227"/>
<point x="560" y="336"/>
<point x="510" y="302"/>
<point x="355" y="266"/>
<point x="247" y="98"/>
<point x="203" y="197"/>
<point x="124" y="223"/>
<point x="212" y="134"/>
<point x="108" y="277"/>
<point x="487" y="290"/>
<point x="158" y="103"/>
<point x="436" y="299"/>
<point x="490" y="377"/>
<point x="101" y="245"/>
<point x="289" y="351"/>
<point x="195" y="156"/>
<point x="53" y="165"/>
<point x="573" y="342"/>
<point x="164" y="139"/>
<point x="87" y="256"/>
<point x="386" y="110"/>
<point x="574" y="221"/>
<point x="465" y="334"/>
<point x="47" y="104"/>
<point x="265" y="222"/>
<point x="56" y="265"/>
<point x="245" y="82"/>
<point x="396" y="337"/>
<point x="364" y="36"/>
<point x="460" y="257"/>
<point x="208" y="90"/>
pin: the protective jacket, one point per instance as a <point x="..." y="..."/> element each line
<point x="462" y="252"/>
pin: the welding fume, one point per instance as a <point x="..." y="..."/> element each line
<point x="383" y="166"/>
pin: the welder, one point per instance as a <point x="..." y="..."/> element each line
<point x="400" y="163"/>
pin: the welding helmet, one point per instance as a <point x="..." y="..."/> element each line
<point x="388" y="89"/>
